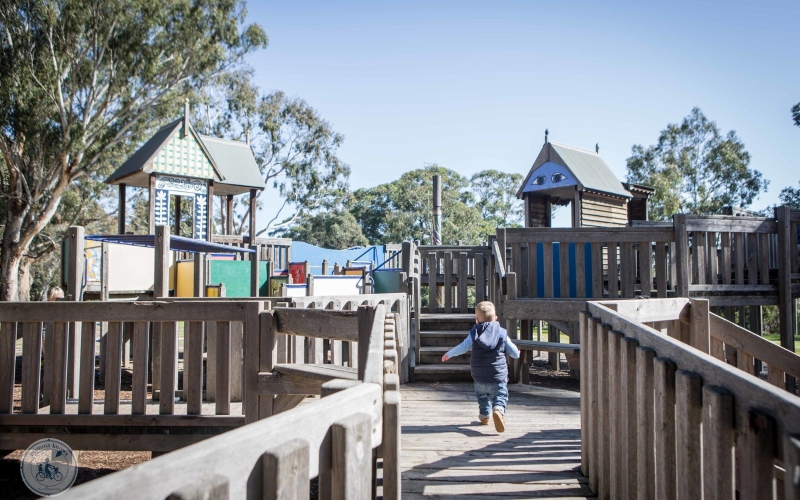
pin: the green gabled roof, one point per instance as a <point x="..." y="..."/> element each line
<point x="590" y="170"/>
<point x="144" y="154"/>
<point x="235" y="161"/>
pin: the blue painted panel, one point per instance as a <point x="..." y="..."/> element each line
<point x="546" y="171"/>
<point x="572" y="292"/>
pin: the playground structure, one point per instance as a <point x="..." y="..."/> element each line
<point x="663" y="320"/>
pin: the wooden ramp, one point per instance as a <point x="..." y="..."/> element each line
<point x="446" y="453"/>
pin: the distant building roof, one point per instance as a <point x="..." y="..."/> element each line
<point x="230" y="164"/>
<point x="586" y="167"/>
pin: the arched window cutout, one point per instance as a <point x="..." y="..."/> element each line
<point x="538" y="181"/>
<point x="558" y="177"/>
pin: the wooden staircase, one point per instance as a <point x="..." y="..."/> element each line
<point x="438" y="334"/>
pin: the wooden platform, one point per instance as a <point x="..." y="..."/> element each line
<point x="447" y="453"/>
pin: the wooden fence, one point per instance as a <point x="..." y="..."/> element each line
<point x="275" y="458"/>
<point x="449" y="272"/>
<point x="276" y="250"/>
<point x="642" y="411"/>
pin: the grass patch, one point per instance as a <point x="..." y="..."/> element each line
<point x="776" y="339"/>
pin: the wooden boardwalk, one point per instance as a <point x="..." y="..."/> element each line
<point x="446" y="453"/>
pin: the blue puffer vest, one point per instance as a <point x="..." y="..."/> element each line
<point x="488" y="362"/>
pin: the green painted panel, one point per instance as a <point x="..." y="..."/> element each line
<point x="387" y="281"/>
<point x="236" y="276"/>
<point x="183" y="156"/>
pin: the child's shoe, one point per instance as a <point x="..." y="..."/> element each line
<point x="484" y="421"/>
<point x="499" y="423"/>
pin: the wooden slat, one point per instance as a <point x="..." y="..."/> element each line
<point x="580" y="270"/>
<point x="616" y="448"/>
<point x="628" y="271"/>
<point x="645" y="426"/>
<point x="317" y="323"/>
<point x="286" y="475"/>
<point x="548" y="269"/>
<point x="462" y="282"/>
<point x="791" y="462"/>
<point x="739" y="256"/>
<point x="688" y="416"/>
<point x="646" y="268"/>
<point x="448" y="282"/>
<point x="201" y="310"/>
<point x="113" y="368"/>
<point x="8" y="363"/>
<point x="541" y="309"/>
<point x="533" y="271"/>
<point x="603" y="424"/>
<point x="593" y="362"/>
<point x="588" y="235"/>
<point x="563" y="250"/>
<point x="629" y="461"/>
<point x="87" y="368"/>
<point x="718" y="432"/>
<point x="597" y="270"/>
<point x="712" y="259"/>
<point x="391" y="446"/>
<point x="584" y="323"/>
<point x="169" y="360"/>
<point x="699" y="257"/>
<point x="757" y="451"/>
<point x="728" y="223"/>
<point x="223" y="369"/>
<point x="141" y="340"/>
<point x="58" y="389"/>
<point x="763" y="258"/>
<point x="664" y="386"/>
<point x="480" y="278"/>
<point x="752" y="259"/>
<point x="725" y="258"/>
<point x="237" y="334"/>
<point x="661" y="270"/>
<point x="351" y="461"/>
<point x="433" y="269"/>
<point x="31" y="366"/>
<point x="613" y="271"/>
<point x="193" y="371"/>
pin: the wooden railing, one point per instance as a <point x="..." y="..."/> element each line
<point x="449" y="272"/>
<point x="276" y="250"/>
<point x="650" y="394"/>
<point x="336" y="438"/>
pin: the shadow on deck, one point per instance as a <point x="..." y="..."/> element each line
<point x="447" y="453"/>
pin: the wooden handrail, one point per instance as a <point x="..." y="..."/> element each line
<point x="499" y="261"/>
<point x="755" y="345"/>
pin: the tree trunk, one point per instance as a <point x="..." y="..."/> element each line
<point x="25" y="280"/>
<point x="11" y="257"/>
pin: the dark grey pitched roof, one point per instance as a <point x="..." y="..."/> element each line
<point x="590" y="170"/>
<point x="139" y="159"/>
<point x="235" y="162"/>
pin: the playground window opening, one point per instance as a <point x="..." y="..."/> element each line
<point x="558" y="177"/>
<point x="539" y="181"/>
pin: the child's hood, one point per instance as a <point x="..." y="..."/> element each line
<point x="489" y="334"/>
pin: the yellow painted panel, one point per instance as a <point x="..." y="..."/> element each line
<point x="185" y="279"/>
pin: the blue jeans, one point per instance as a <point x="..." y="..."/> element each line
<point x="491" y="395"/>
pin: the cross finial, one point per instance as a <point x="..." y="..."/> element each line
<point x="597" y="148"/>
<point x="186" y="117"/>
<point x="545" y="135"/>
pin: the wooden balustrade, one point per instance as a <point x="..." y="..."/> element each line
<point x="449" y="272"/>
<point x="335" y="438"/>
<point x="678" y="389"/>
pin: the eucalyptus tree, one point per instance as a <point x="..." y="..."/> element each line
<point x="695" y="169"/>
<point x="83" y="82"/>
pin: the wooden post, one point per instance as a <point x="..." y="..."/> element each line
<point x="664" y="385"/>
<point x="286" y="471"/>
<point x="593" y="362"/>
<point x="601" y="429"/>
<point x="645" y="454"/>
<point x="160" y="290"/>
<point x="688" y="417"/>
<point x="151" y="226"/>
<point x="616" y="448"/>
<point x="254" y="269"/>
<point x="785" y="302"/>
<point x="791" y="462"/>
<point x="700" y="325"/>
<point x="229" y="214"/>
<point x="682" y="254"/>
<point x="756" y="457"/>
<point x="718" y="432"/>
<point x="123" y="201"/>
<point x="253" y="212"/>
<point x="629" y="461"/>
<point x="176" y="230"/>
<point x="210" y="212"/>
<point x="585" y="320"/>
<point x="511" y="325"/>
<point x="75" y="270"/>
<point x="351" y="458"/>
<point x="391" y="445"/>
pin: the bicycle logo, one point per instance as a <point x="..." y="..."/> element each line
<point x="48" y="467"/>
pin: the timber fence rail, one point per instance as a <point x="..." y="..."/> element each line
<point x="450" y="272"/>
<point x="663" y="419"/>
<point x="336" y="438"/>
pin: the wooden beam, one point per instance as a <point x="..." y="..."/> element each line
<point x="318" y="323"/>
<point x="151" y="225"/>
<point x="161" y="279"/>
<point x="123" y="200"/>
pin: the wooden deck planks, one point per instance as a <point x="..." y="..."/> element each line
<point x="447" y="453"/>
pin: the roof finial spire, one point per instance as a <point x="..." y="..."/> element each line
<point x="186" y="117"/>
<point x="247" y="136"/>
<point x="597" y="148"/>
<point x="546" y="132"/>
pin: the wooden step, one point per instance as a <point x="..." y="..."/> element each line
<point x="442" y="373"/>
<point x="448" y="339"/>
<point x="433" y="356"/>
<point x="447" y="321"/>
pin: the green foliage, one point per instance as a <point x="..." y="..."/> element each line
<point x="401" y="210"/>
<point x="695" y="169"/>
<point x="496" y="194"/>
<point x="295" y="148"/>
<point x="796" y="114"/>
<point x="82" y="83"/>
<point x="336" y="229"/>
<point x="790" y="196"/>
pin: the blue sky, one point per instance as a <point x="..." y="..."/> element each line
<point x="473" y="85"/>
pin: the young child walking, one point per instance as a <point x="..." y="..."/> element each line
<point x="490" y="344"/>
